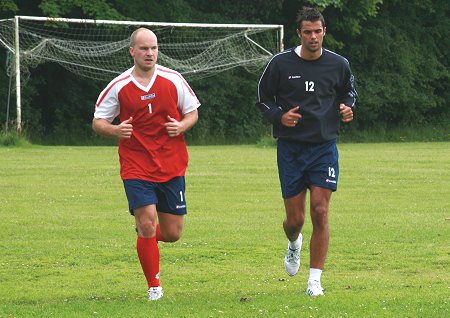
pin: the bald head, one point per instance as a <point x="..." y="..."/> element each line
<point x="144" y="50"/>
<point x="141" y="33"/>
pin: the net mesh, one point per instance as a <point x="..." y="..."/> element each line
<point x="100" y="51"/>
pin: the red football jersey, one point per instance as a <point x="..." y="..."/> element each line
<point x="150" y="154"/>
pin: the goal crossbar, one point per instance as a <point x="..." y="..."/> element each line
<point x="168" y="24"/>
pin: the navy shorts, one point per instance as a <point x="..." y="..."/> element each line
<point x="301" y="165"/>
<point x="167" y="196"/>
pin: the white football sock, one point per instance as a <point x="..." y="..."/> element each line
<point x="297" y="243"/>
<point x="314" y="274"/>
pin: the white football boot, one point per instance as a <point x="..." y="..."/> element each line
<point x="314" y="288"/>
<point x="292" y="257"/>
<point x="155" y="293"/>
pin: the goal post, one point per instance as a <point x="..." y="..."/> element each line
<point x="98" y="49"/>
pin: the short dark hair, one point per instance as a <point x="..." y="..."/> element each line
<point x="309" y="14"/>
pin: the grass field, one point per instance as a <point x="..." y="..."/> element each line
<point x="67" y="242"/>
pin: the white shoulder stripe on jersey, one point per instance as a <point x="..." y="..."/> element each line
<point x="265" y="69"/>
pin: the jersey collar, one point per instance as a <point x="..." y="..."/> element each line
<point x="298" y="50"/>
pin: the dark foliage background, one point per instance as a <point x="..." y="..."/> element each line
<point x="398" y="51"/>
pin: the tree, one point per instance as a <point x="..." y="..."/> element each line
<point x="87" y="9"/>
<point x="402" y="72"/>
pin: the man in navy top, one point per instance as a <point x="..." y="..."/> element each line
<point x="304" y="92"/>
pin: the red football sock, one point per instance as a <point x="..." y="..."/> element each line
<point x="148" y="252"/>
<point x="159" y="237"/>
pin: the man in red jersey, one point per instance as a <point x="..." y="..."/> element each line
<point x="155" y="106"/>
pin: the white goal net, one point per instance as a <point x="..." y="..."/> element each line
<point x="99" y="49"/>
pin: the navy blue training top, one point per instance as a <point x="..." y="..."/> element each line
<point x="317" y="86"/>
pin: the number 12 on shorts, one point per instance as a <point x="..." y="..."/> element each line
<point x="331" y="172"/>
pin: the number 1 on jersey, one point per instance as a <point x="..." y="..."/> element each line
<point x="150" y="108"/>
